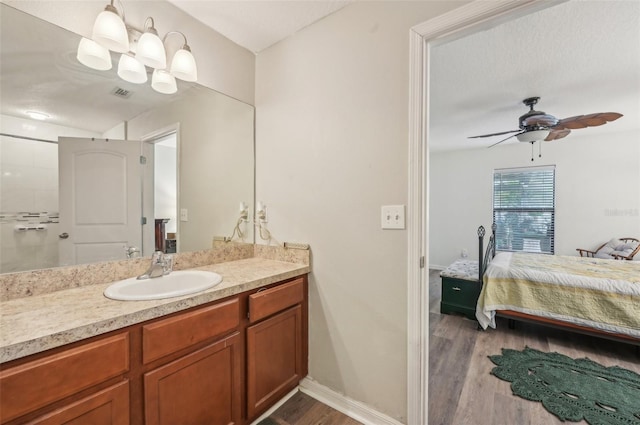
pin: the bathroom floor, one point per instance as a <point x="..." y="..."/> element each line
<point x="302" y="409"/>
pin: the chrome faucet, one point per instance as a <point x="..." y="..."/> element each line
<point x="160" y="265"/>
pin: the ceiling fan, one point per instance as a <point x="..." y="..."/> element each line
<point x="538" y="125"/>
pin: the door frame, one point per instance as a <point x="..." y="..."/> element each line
<point x="148" y="184"/>
<point x="460" y="22"/>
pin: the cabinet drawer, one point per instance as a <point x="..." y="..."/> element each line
<point x="109" y="406"/>
<point x="265" y="303"/>
<point x="35" y="384"/>
<point x="171" y="335"/>
<point x="460" y="292"/>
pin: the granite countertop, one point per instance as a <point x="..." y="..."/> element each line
<point x="34" y="324"/>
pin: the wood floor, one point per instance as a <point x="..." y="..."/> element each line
<point x="304" y="410"/>
<point x="461" y="389"/>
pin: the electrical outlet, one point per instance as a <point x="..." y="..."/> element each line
<point x="184" y="214"/>
<point x="464" y="253"/>
<point x="392" y="216"/>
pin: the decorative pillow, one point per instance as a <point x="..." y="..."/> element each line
<point x="614" y="243"/>
<point x="623" y="253"/>
<point x="625" y="249"/>
<point x="605" y="252"/>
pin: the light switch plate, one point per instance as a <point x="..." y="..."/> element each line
<point x="392" y="216"/>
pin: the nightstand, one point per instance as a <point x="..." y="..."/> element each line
<point x="460" y="288"/>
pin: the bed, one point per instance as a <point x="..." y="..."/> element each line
<point x="588" y="295"/>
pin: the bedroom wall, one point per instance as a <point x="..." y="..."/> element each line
<point x="597" y="192"/>
<point x="332" y="138"/>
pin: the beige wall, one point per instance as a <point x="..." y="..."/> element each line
<point x="222" y="64"/>
<point x="332" y="147"/>
<point x="215" y="139"/>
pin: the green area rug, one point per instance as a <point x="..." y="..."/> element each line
<point x="572" y="389"/>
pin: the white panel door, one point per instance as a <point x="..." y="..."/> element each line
<point x="100" y="199"/>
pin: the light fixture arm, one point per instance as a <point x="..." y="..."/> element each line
<point x="185" y="46"/>
<point x="111" y="8"/>
<point x="152" y="28"/>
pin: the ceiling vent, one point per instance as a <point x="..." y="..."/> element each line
<point x="120" y="92"/>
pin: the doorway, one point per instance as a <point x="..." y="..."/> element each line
<point x="160" y="193"/>
<point x="459" y="22"/>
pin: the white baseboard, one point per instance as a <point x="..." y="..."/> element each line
<point x="276" y="406"/>
<point x="352" y="408"/>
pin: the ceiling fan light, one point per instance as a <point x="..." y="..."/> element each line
<point x="110" y="31"/>
<point x="533" y="135"/>
<point x="93" y="55"/>
<point x="131" y="70"/>
<point x="163" y="82"/>
<point x="183" y="65"/>
<point x="150" y="50"/>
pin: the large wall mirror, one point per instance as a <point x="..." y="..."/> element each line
<point x="187" y="159"/>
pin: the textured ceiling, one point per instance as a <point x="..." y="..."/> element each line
<point x="258" y="24"/>
<point x="580" y="57"/>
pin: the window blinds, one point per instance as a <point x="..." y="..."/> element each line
<point x="524" y="209"/>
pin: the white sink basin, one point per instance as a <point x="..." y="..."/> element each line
<point x="175" y="284"/>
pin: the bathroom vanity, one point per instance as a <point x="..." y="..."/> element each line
<point x="223" y="356"/>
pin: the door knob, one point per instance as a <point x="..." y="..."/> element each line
<point x="64" y="235"/>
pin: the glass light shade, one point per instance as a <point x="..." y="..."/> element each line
<point x="183" y="66"/>
<point x="131" y="70"/>
<point x="163" y="82"/>
<point x="150" y="51"/>
<point x="533" y="136"/>
<point x="109" y="31"/>
<point x="93" y="55"/>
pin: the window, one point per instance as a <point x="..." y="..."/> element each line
<point x="524" y="209"/>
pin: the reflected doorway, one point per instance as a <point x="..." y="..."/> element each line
<point x="161" y="153"/>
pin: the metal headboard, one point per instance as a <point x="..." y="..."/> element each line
<point x="484" y="258"/>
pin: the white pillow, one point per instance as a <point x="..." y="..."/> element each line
<point x="614" y="243"/>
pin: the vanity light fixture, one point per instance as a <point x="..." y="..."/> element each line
<point x="163" y="82"/>
<point x="93" y="55"/>
<point x="111" y="32"/>
<point x="183" y="65"/>
<point x="150" y="50"/>
<point x="131" y="70"/>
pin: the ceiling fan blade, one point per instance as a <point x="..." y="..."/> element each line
<point x="494" y="134"/>
<point x="504" y="140"/>
<point x="591" y="120"/>
<point x="557" y="134"/>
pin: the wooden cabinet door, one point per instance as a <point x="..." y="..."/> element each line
<point x="107" y="407"/>
<point x="274" y="359"/>
<point x="203" y="387"/>
<point x="38" y="383"/>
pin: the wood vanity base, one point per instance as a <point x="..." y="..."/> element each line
<point x="166" y="370"/>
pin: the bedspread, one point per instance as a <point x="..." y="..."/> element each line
<point x="597" y="293"/>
